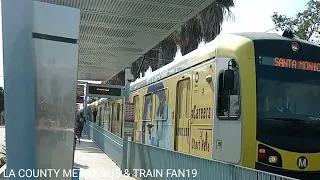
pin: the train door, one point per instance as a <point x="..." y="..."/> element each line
<point x="118" y="120"/>
<point x="114" y="118"/>
<point x="227" y="126"/>
<point x="111" y="117"/>
<point x="182" y="135"/>
<point x="202" y="107"/>
<point x="136" y="133"/>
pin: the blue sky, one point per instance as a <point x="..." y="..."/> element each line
<point x="250" y="16"/>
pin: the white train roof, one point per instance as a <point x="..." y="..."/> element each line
<point x="102" y="101"/>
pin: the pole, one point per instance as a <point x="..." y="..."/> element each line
<point x="125" y="124"/>
<point x="270" y="30"/>
<point x="126" y="98"/>
<point x="127" y="85"/>
<point x="85" y="103"/>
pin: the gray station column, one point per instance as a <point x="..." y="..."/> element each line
<point x="55" y="35"/>
<point x="40" y="73"/>
<point x="19" y="73"/>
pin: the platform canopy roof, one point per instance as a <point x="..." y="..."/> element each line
<point x="115" y="33"/>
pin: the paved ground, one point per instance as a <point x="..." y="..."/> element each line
<point x="2" y="140"/>
<point x="95" y="164"/>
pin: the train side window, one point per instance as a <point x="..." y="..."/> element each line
<point x="161" y="104"/>
<point x="148" y="106"/>
<point x="228" y="100"/>
<point x="118" y="111"/>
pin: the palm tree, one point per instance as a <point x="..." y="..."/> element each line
<point x="205" y="26"/>
<point x="116" y="80"/>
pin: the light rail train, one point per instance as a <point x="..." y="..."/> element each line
<point x="250" y="99"/>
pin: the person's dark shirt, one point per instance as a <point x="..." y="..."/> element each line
<point x="81" y="121"/>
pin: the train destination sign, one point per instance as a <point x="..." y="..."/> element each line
<point x="108" y="91"/>
<point x="291" y="63"/>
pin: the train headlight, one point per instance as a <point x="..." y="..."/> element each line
<point x="269" y="156"/>
<point x="273" y="159"/>
<point x="295" y="46"/>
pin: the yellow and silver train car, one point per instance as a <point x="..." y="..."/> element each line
<point x="109" y="114"/>
<point x="116" y="114"/>
<point x="252" y="99"/>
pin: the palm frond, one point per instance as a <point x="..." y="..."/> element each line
<point x="117" y="79"/>
<point x="203" y="27"/>
<point x="168" y="48"/>
<point x="191" y="36"/>
<point x="212" y="17"/>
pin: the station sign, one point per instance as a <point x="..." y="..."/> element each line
<point x="128" y="119"/>
<point x="105" y="91"/>
<point x="80" y="90"/>
<point x="129" y="112"/>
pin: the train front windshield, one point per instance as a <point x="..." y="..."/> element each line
<point x="288" y="103"/>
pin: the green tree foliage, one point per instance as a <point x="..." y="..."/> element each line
<point x="205" y="26"/>
<point x="305" y="25"/>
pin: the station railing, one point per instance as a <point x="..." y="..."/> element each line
<point x="150" y="162"/>
<point x="106" y="141"/>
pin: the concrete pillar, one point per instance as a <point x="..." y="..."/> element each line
<point x="19" y="73"/>
<point x="40" y="55"/>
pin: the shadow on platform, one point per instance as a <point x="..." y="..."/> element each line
<point x="87" y="146"/>
<point x="81" y="166"/>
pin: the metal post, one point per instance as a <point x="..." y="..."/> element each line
<point x="127" y="85"/>
<point x="124" y="154"/>
<point x="85" y="102"/>
<point x="19" y="73"/>
<point x="126" y="97"/>
<point x="128" y="78"/>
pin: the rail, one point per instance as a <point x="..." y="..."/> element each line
<point x="150" y="162"/>
<point x="106" y="141"/>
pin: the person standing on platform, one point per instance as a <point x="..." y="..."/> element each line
<point x="81" y="123"/>
<point x="95" y="112"/>
<point x="89" y="114"/>
<point x="77" y="133"/>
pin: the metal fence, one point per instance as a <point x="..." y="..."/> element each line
<point x="107" y="142"/>
<point x="150" y="162"/>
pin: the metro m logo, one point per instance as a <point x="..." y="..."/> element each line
<point x="302" y="162"/>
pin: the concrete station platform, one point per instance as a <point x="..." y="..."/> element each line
<point x="94" y="164"/>
<point x="2" y="140"/>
